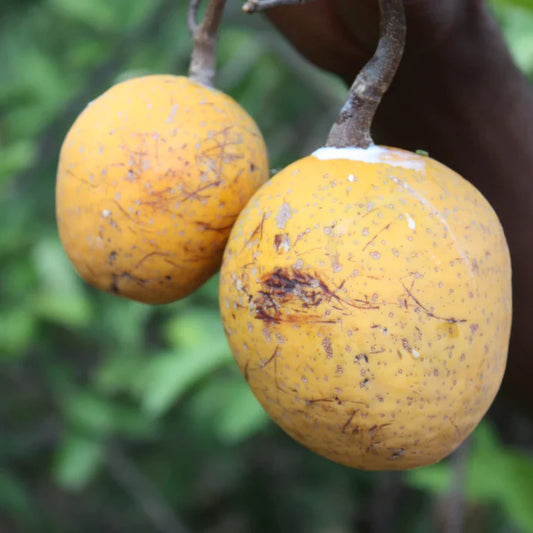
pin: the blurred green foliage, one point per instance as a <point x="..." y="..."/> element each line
<point x="126" y="417"/>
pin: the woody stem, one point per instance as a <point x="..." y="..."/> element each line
<point x="353" y="125"/>
<point x="205" y="36"/>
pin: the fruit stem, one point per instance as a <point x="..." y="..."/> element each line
<point x="253" y="6"/>
<point x="205" y="36"/>
<point x="353" y="125"/>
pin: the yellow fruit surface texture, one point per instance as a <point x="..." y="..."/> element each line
<point x="366" y="297"/>
<point x="151" y="177"/>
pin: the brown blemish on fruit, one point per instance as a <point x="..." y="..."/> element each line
<point x="326" y="344"/>
<point x="400" y="452"/>
<point x="124" y="276"/>
<point x="361" y="357"/>
<point x="114" y="284"/>
<point x="282" y="243"/>
<point x="288" y="294"/>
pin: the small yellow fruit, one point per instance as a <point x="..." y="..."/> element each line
<point x="151" y="177"/>
<point x="366" y="297"/>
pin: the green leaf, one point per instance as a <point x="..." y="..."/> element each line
<point x="495" y="475"/>
<point x="200" y="348"/>
<point x="100" y="416"/>
<point x="17" y="331"/>
<point x="14" y="498"/>
<point x="61" y="298"/>
<point x="517" y="489"/>
<point x="434" y="478"/>
<point x="528" y="4"/>
<point x="240" y="414"/>
<point x="71" y="310"/>
<point x="194" y="327"/>
<point x="96" y="13"/>
<point x="124" y="321"/>
<point x="516" y="19"/>
<point x="228" y="409"/>
<point x="170" y="375"/>
<point x="56" y="273"/>
<point x="15" y="158"/>
<point x="77" y="461"/>
<point x="118" y="372"/>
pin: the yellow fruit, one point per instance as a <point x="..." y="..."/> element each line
<point x="366" y="297"/>
<point x="151" y="177"/>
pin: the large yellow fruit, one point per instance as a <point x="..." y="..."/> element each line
<point x="151" y="177"/>
<point x="366" y="297"/>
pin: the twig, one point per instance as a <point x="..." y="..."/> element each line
<point x="355" y="119"/>
<point x="203" y="58"/>
<point x="456" y="501"/>
<point x="192" y="16"/>
<point x="253" y="6"/>
<point x="387" y="489"/>
<point x="143" y="492"/>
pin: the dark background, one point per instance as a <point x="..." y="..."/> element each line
<point x="121" y="417"/>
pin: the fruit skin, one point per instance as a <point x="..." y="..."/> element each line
<point x="368" y="305"/>
<point x="151" y="177"/>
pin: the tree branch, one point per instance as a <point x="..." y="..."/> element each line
<point x="253" y="6"/>
<point x="143" y="492"/>
<point x="192" y="16"/>
<point x="456" y="498"/>
<point x="205" y="34"/>
<point x="355" y="119"/>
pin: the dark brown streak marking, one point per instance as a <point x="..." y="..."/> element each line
<point x="139" y="281"/>
<point x="450" y="320"/>
<point x="175" y="265"/>
<point x="454" y="425"/>
<point x="336" y="400"/>
<point x="271" y="358"/>
<point x="257" y="230"/>
<point x="195" y="194"/>
<point x="245" y="371"/>
<point x="86" y="182"/>
<point x="208" y="227"/>
<point x="310" y="250"/>
<point x="159" y="200"/>
<point x="375" y="237"/>
<point x="148" y="256"/>
<point x="348" y="422"/>
<point x="214" y="157"/>
<point x="124" y="212"/>
<point x="374" y="430"/>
